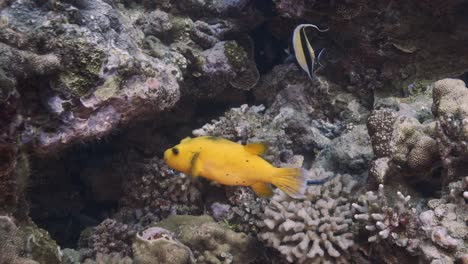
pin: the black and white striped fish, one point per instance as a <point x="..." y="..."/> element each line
<point x="303" y="50"/>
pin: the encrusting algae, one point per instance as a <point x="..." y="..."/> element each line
<point x="229" y="163"/>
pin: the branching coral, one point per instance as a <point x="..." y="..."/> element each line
<point x="384" y="219"/>
<point x="435" y="235"/>
<point x="316" y="229"/>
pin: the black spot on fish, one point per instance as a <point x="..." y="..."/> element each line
<point x="175" y="151"/>
<point x="243" y="182"/>
<point x="246" y="160"/>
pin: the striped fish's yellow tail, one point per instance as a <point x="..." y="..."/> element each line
<point x="291" y="181"/>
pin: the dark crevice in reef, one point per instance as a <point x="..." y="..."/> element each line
<point x="61" y="190"/>
<point x="59" y="197"/>
<point x="269" y="50"/>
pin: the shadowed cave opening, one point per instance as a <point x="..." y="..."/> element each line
<point x="60" y="192"/>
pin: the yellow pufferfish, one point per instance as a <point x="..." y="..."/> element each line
<point x="230" y="163"/>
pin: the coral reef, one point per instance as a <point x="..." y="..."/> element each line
<point x="11" y="243"/>
<point x="212" y="243"/>
<point x="444" y="225"/>
<point x="316" y="229"/>
<point x="158" y="245"/>
<point x="111" y="236"/>
<point x="436" y="235"/>
<point x="459" y="191"/>
<point x="38" y="244"/>
<point x="384" y="220"/>
<point x="97" y="87"/>
<point x="450" y="109"/>
<point x="349" y="153"/>
<point x="245" y="209"/>
<point x="25" y="244"/>
<point x="114" y="258"/>
<point x="294" y="122"/>
<point x="93" y="91"/>
<point x="101" y="77"/>
<point x="152" y="192"/>
<point x="404" y="141"/>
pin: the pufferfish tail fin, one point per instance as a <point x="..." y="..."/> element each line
<point x="292" y="181"/>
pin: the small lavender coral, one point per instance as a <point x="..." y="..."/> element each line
<point x="316" y="229"/>
<point x="157" y="245"/>
<point x="386" y="220"/>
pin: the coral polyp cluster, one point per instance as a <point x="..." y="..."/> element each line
<point x="384" y="219"/>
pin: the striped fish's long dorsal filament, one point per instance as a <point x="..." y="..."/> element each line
<point x="303" y="50"/>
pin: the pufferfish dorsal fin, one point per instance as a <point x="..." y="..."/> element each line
<point x="256" y="148"/>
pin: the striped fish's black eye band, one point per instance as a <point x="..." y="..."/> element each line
<point x="307" y="53"/>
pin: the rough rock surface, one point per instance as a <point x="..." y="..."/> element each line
<point x="101" y="79"/>
<point x="26" y="244"/>
<point x="404" y="141"/>
<point x="451" y="111"/>
<point x="212" y="243"/>
<point x="111" y="236"/>
<point x="158" y="245"/>
<point x="152" y="192"/>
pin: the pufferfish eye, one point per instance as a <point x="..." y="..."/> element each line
<point x="175" y="151"/>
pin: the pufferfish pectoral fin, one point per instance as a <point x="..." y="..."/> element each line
<point x="262" y="189"/>
<point x="195" y="165"/>
<point x="255" y="148"/>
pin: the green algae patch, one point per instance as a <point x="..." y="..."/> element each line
<point x="39" y="245"/>
<point x="110" y="88"/>
<point x="82" y="63"/>
<point x="236" y="55"/>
